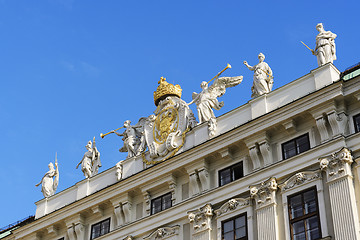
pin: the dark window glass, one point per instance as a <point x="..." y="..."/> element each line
<point x="295" y="146"/>
<point x="304" y="215"/>
<point x="235" y="228"/>
<point x="231" y="174"/>
<point x="100" y="228"/>
<point x="357" y="123"/>
<point x="161" y="203"/>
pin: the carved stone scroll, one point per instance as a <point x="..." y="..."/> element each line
<point x="232" y="205"/>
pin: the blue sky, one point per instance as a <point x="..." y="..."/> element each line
<point x="71" y="69"/>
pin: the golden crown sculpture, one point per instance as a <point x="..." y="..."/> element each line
<point x="166" y="89"/>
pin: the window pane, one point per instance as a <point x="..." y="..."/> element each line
<point x="312" y="227"/>
<point x="296" y="209"/>
<point x="357" y="123"/>
<point x="105" y="227"/>
<point x="240" y="232"/>
<point x="238" y="171"/>
<point x="228" y="226"/>
<point x="225" y="176"/>
<point x="95" y="231"/>
<point x="240" y="222"/>
<point x="229" y="236"/>
<point x="156" y="205"/>
<point x="166" y="201"/>
<point x="310" y="202"/>
<point x="302" y="144"/>
<point x="289" y="149"/>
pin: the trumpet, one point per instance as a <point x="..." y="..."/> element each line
<point x="217" y="75"/>
<point x="103" y="135"/>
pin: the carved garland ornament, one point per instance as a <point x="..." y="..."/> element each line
<point x="201" y="218"/>
<point x="232" y="205"/>
<point x="298" y="179"/>
<point x="163" y="233"/>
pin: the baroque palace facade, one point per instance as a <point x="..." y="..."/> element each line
<point x="283" y="166"/>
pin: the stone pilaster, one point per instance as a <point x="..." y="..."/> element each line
<point x="342" y="194"/>
<point x="264" y="195"/>
<point x="201" y="222"/>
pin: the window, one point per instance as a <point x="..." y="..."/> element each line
<point x="235" y="228"/>
<point x="295" y="146"/>
<point x="100" y="228"/>
<point x="231" y="173"/>
<point x="357" y="123"/>
<point x="304" y="215"/>
<point x="161" y="203"/>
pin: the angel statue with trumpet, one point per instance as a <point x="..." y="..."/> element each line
<point x="133" y="137"/>
<point x="207" y="100"/>
<point x="90" y="162"/>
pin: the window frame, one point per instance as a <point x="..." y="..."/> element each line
<point x="232" y="176"/>
<point x="99" y="223"/>
<point x="313" y="182"/>
<point x="305" y="216"/>
<point x="161" y="203"/>
<point x="296" y="147"/>
<point x="233" y="219"/>
<point x="356" y="129"/>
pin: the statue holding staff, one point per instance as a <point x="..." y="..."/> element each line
<point x="50" y="180"/>
<point x="325" y="49"/>
<point x="90" y="162"/>
<point x="263" y="78"/>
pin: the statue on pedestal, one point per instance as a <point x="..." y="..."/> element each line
<point x="325" y="49"/>
<point x="90" y="162"/>
<point x="207" y="100"/>
<point x="133" y="137"/>
<point x="263" y="78"/>
<point x="49" y="183"/>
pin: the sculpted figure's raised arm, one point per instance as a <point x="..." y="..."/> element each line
<point x="90" y="162"/>
<point x="50" y="180"/>
<point x="207" y="100"/>
<point x="263" y="77"/>
<point x="325" y="49"/>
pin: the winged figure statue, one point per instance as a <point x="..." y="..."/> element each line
<point x="207" y="100"/>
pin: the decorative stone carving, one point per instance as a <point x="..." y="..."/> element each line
<point x="164" y="233"/>
<point x="266" y="153"/>
<point x="207" y="100"/>
<point x="194" y="181"/>
<point x="90" y="163"/>
<point x="204" y="178"/>
<point x="338" y="122"/>
<point x="119" y="171"/>
<point x="253" y="151"/>
<point x="172" y="187"/>
<point x="264" y="193"/>
<point x="325" y="49"/>
<point x="147" y="199"/>
<point x="133" y="137"/>
<point x="337" y="164"/>
<point x="50" y="180"/>
<point x="165" y="130"/>
<point x="298" y="179"/>
<point x="232" y="205"/>
<point x="80" y="230"/>
<point x="263" y="77"/>
<point x="321" y="126"/>
<point x="71" y="232"/>
<point x="201" y="218"/>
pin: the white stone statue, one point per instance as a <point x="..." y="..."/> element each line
<point x="90" y="163"/>
<point x="119" y="171"/>
<point x="263" y="78"/>
<point x="325" y="49"/>
<point x="207" y="100"/>
<point x="133" y="137"/>
<point x="50" y="180"/>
